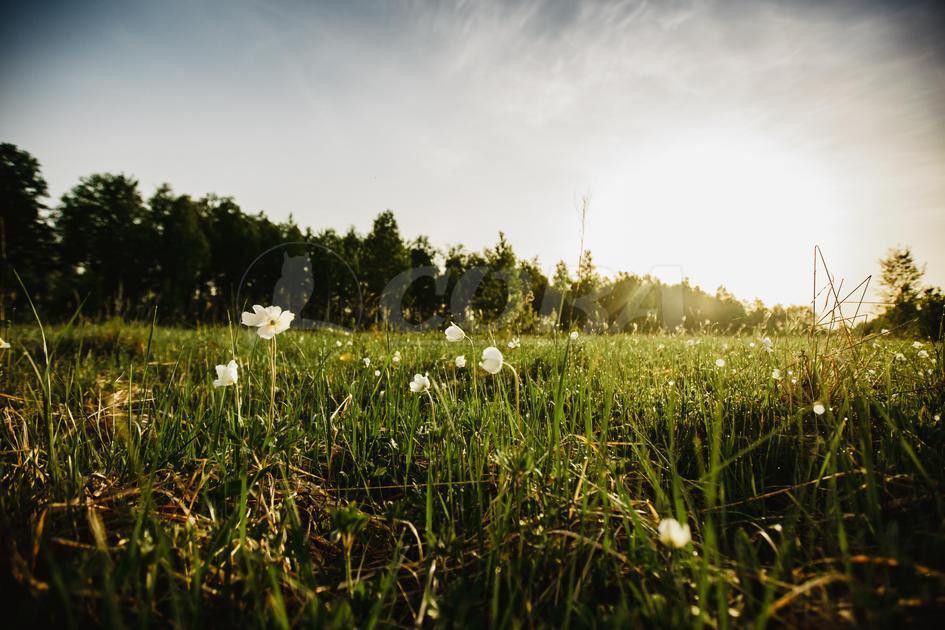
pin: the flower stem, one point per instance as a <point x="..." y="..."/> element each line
<point x="432" y="408"/>
<point x="475" y="372"/>
<point x="272" y="388"/>
<point x="239" y="404"/>
<point x="518" y="410"/>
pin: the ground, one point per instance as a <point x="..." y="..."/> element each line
<point x="135" y="492"/>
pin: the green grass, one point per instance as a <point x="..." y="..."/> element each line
<point x="136" y="494"/>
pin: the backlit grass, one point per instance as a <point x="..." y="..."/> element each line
<point x="133" y="492"/>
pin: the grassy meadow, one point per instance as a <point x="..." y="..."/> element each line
<point x="134" y="493"/>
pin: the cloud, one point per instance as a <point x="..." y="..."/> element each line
<point x="502" y="111"/>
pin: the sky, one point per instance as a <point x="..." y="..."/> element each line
<point x="720" y="141"/>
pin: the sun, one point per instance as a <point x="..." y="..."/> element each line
<point x="724" y="180"/>
<point x="710" y="202"/>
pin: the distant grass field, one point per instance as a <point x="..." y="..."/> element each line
<point x="135" y="493"/>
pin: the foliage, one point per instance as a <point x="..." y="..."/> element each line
<point x="105" y="251"/>
<point x="25" y="234"/>
<point x="900" y="277"/>
<point x="910" y="309"/>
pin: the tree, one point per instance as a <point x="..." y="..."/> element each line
<point x="183" y="257"/>
<point x="105" y="247"/>
<point x="534" y="286"/>
<point x="588" y="280"/>
<point x="931" y="314"/>
<point x="901" y="278"/>
<point x="562" y="277"/>
<point x="25" y="234"/>
<point x="500" y="292"/>
<point x="557" y="301"/>
<point x="234" y="240"/>
<point x="107" y="243"/>
<point x="421" y="298"/>
<point x="383" y="256"/>
<point x="901" y="281"/>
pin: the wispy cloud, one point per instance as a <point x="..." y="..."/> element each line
<point x="508" y="111"/>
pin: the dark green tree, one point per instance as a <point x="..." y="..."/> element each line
<point x="500" y="292"/>
<point x="107" y="244"/>
<point x="183" y="257"/>
<point x="422" y="299"/>
<point x="931" y="313"/>
<point x="234" y="243"/>
<point x="26" y="238"/>
<point x="337" y="294"/>
<point x="383" y="255"/>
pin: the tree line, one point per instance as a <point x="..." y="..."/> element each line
<point x="911" y="308"/>
<point x="104" y="250"/>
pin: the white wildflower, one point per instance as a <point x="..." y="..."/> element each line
<point x="454" y="333"/>
<point x="419" y="384"/>
<point x="226" y="374"/>
<point x="491" y="360"/>
<point x="673" y="534"/>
